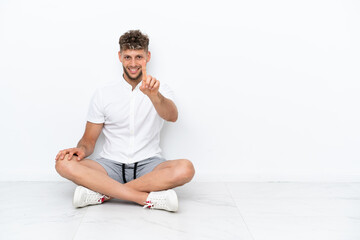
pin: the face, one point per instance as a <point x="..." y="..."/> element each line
<point x="132" y="61"/>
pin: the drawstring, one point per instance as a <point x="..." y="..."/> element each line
<point x="123" y="171"/>
<point x="135" y="170"/>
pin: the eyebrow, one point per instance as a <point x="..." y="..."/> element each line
<point x="139" y="55"/>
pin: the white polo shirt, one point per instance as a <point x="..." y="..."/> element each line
<point x="131" y="124"/>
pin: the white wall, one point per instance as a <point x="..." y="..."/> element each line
<point x="267" y="90"/>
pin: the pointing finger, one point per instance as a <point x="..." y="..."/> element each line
<point x="143" y="67"/>
<point x="148" y="81"/>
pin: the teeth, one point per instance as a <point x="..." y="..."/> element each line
<point x="133" y="69"/>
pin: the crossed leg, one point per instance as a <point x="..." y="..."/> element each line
<point x="169" y="174"/>
<point x="92" y="175"/>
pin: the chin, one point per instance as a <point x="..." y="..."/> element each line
<point x="135" y="78"/>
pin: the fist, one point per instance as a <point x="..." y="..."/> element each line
<point x="150" y="86"/>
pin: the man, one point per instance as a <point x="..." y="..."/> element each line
<point x="130" y="113"/>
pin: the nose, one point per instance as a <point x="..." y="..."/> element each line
<point x="133" y="62"/>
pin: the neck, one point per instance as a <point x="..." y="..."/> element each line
<point x="133" y="83"/>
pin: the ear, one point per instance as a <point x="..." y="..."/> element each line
<point x="119" y="53"/>
<point x="148" y="56"/>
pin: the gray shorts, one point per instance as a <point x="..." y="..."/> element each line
<point x="124" y="173"/>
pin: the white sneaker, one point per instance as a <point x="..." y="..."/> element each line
<point x="166" y="200"/>
<point x="84" y="197"/>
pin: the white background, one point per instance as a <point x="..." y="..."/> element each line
<point x="266" y="90"/>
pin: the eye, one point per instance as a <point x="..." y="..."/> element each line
<point x="139" y="57"/>
<point x="127" y="57"/>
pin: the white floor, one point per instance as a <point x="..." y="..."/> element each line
<point x="256" y="211"/>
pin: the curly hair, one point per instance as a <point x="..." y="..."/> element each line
<point x="134" y="39"/>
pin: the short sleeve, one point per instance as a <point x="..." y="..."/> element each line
<point x="96" y="113"/>
<point x="167" y="92"/>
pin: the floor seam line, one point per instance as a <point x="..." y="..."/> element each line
<point x="247" y="227"/>
<point x="81" y="221"/>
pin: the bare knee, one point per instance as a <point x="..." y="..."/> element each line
<point x="184" y="171"/>
<point x="65" y="168"/>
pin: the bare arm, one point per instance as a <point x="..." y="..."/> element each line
<point x="86" y="145"/>
<point x="91" y="134"/>
<point x="164" y="106"/>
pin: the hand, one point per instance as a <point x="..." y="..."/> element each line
<point x="150" y="85"/>
<point x="69" y="153"/>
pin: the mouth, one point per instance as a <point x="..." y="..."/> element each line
<point x="133" y="70"/>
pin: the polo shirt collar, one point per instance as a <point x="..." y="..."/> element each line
<point x="125" y="84"/>
<point x="138" y="86"/>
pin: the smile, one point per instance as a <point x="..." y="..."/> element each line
<point x="133" y="70"/>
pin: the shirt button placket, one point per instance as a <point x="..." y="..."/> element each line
<point x="132" y="125"/>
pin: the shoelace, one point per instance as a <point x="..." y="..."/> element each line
<point x="148" y="204"/>
<point x="95" y="197"/>
<point x="157" y="202"/>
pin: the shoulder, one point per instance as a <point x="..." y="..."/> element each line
<point x="166" y="91"/>
<point x="109" y="86"/>
<point x="165" y="86"/>
<point x="106" y="88"/>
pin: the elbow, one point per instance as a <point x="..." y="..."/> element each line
<point x="171" y="115"/>
<point x="172" y="118"/>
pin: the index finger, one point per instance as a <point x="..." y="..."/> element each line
<point x="143" y="67"/>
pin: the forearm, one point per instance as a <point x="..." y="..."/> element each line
<point x="165" y="107"/>
<point x="88" y="147"/>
